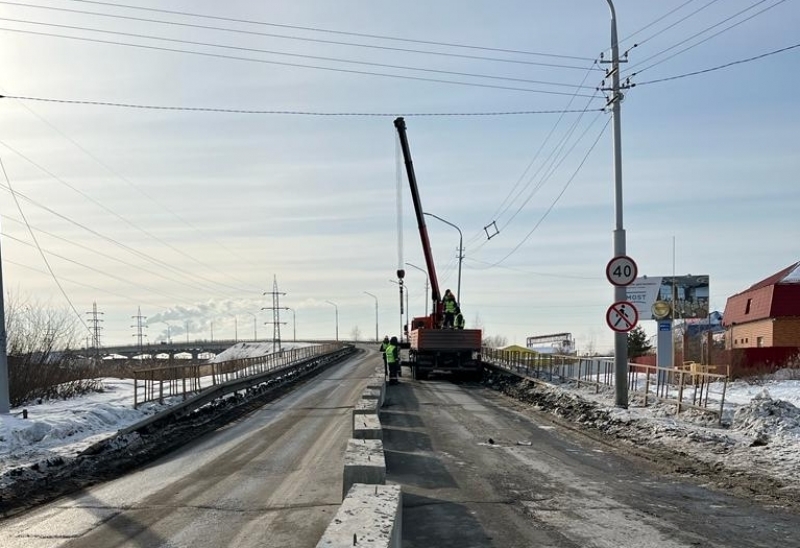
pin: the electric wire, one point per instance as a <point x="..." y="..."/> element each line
<point x="292" y="55"/>
<point x="336" y="32"/>
<point x="156" y="273"/>
<point x="656" y="21"/>
<point x="500" y="210"/>
<point x="41" y="252"/>
<point x="17" y="194"/>
<point x="208" y="237"/>
<point x="557" y="198"/>
<point x="126" y="221"/>
<point x="676" y="23"/>
<point x="291" y="112"/>
<point x="300" y="38"/>
<point x="94" y="270"/>
<point x="629" y="70"/>
<point x="288" y="64"/>
<point x="720" y="67"/>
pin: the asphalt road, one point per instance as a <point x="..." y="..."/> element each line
<point x="477" y="470"/>
<point x="480" y="470"/>
<point x="272" y="479"/>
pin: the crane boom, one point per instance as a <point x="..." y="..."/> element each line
<point x="436" y="295"/>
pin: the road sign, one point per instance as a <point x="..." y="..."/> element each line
<point x="622" y="316"/>
<point x="621" y="270"/>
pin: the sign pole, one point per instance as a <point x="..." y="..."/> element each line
<point x="620" y="292"/>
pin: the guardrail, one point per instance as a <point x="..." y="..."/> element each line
<point x="685" y="386"/>
<point x="157" y="383"/>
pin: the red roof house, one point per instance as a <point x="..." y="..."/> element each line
<point x="767" y="314"/>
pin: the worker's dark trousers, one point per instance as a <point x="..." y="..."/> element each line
<point x="394" y="370"/>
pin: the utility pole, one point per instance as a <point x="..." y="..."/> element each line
<point x="376" y="314"/>
<point x="95" y="323"/>
<point x="5" y="396"/>
<point x="140" y="326"/>
<point x="620" y="292"/>
<point x="276" y="314"/>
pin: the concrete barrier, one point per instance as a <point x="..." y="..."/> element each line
<point x="367" y="427"/>
<point x="370" y="515"/>
<point x="368" y="406"/>
<point x="363" y="463"/>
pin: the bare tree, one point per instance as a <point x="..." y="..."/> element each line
<point x="355" y="333"/>
<point x="39" y="340"/>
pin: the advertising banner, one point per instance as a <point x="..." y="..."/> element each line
<point x="686" y="296"/>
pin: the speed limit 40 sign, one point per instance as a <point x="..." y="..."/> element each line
<point x="621" y="271"/>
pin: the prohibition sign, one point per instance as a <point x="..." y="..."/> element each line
<point x="621" y="270"/>
<point x="622" y="316"/>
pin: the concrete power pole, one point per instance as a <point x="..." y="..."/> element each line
<point x="5" y="393"/>
<point x="620" y="292"/>
<point x="276" y="314"/>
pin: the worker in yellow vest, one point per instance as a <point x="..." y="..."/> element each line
<point x="393" y="359"/>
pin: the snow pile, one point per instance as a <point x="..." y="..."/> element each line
<point x="766" y="418"/>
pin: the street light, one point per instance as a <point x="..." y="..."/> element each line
<point x="294" y="325"/>
<point x="376" y="313"/>
<point x="337" y="318"/>
<point x="402" y="324"/>
<point x="255" y="330"/>
<point x="427" y="283"/>
<point x="460" y="251"/>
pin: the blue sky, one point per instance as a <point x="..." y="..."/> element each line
<point x="190" y="214"/>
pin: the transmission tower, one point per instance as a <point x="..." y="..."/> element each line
<point x="95" y="322"/>
<point x="276" y="314"/>
<point x="140" y="327"/>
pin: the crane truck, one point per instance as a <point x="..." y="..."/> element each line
<point x="432" y="347"/>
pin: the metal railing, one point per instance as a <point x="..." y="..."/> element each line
<point x="685" y="386"/>
<point x="158" y="383"/>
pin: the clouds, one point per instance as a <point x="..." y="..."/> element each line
<point x="193" y="212"/>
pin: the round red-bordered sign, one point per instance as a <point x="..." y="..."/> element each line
<point x="622" y="316"/>
<point x="621" y="271"/>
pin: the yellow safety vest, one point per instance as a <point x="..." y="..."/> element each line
<point x="391" y="353"/>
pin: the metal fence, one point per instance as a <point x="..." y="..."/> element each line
<point x="158" y="383"/>
<point x="687" y="386"/>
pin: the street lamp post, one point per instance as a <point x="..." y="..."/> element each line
<point x="376" y="313"/>
<point x="235" y="328"/>
<point x="427" y="283"/>
<point x="337" y="318"/>
<point x="294" y="324"/>
<point x="401" y="314"/>
<point x="460" y="251"/>
<point x="169" y="336"/>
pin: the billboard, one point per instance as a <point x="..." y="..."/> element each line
<point x="687" y="296"/>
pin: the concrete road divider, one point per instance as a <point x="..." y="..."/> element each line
<point x="367" y="427"/>
<point x="364" y="462"/>
<point x="370" y="515"/>
<point x="366" y="406"/>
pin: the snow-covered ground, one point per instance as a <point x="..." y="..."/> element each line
<point x="760" y="432"/>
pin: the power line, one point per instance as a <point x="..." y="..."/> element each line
<point x="306" y="39"/>
<point x="720" y="67"/>
<point x="557" y="198"/>
<point x="137" y="188"/>
<point x="676" y="23"/>
<point x="292" y="55"/>
<point x="630" y="68"/>
<point x="159" y="240"/>
<point x="41" y="253"/>
<point x="290" y="112"/>
<point x="336" y="32"/>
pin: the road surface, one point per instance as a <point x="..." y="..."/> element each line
<point x="272" y="479"/>
<point x="480" y="470"/>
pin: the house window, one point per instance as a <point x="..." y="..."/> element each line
<point x="759" y="342"/>
<point x="747" y="307"/>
